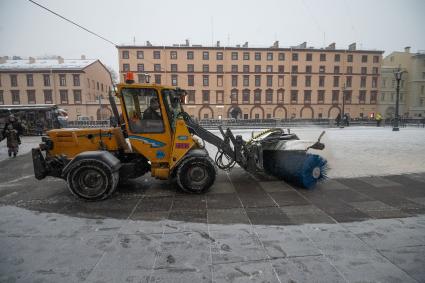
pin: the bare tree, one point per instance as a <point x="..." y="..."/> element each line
<point x="114" y="74"/>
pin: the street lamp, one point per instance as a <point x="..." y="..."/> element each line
<point x="343" y="105"/>
<point x="398" y="78"/>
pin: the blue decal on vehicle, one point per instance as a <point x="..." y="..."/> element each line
<point x="160" y="154"/>
<point x="153" y="143"/>
<point x="182" y="138"/>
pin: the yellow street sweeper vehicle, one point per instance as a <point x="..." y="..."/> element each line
<point x="155" y="134"/>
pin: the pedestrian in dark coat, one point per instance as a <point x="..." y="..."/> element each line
<point x="16" y="125"/>
<point x="12" y="140"/>
<point x="338" y="119"/>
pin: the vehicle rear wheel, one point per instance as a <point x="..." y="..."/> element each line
<point x="196" y="174"/>
<point x="92" y="180"/>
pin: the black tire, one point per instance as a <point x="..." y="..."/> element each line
<point x="196" y="174"/>
<point x="92" y="180"/>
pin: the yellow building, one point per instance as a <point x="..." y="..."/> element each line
<point x="75" y="85"/>
<point x="256" y="83"/>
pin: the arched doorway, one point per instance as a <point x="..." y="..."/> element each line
<point x="235" y="112"/>
<point x="280" y="112"/>
<point x="206" y="113"/>
<point x="306" y="112"/>
<point x="257" y="112"/>
<point x="333" y="112"/>
<point x="103" y="113"/>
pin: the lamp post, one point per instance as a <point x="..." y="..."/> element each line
<point x="396" y="120"/>
<point x="343" y="105"/>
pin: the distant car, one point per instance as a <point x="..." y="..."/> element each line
<point x="83" y="118"/>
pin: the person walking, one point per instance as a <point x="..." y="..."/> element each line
<point x="16" y="125"/>
<point x="39" y="127"/>
<point x="12" y="140"/>
<point x="338" y="119"/>
<point x="378" y="119"/>
<point x="346" y="120"/>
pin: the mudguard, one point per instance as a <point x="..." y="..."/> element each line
<point x="99" y="155"/>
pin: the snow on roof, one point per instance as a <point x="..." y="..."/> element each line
<point x="46" y="64"/>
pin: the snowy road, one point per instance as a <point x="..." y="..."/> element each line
<point x="351" y="152"/>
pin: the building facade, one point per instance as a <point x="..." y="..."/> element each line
<point x="261" y="83"/>
<point x="79" y="86"/>
<point x="414" y="79"/>
<point x="387" y="96"/>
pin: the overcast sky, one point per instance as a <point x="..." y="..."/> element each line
<point x="27" y="30"/>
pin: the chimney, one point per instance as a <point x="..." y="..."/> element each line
<point x="245" y="45"/>
<point x="276" y="44"/>
<point x="148" y="43"/>
<point x="218" y="43"/>
<point x="83" y="57"/>
<point x="331" y="46"/>
<point x="407" y="49"/>
<point x="60" y="60"/>
<point x="352" y="46"/>
<point x="3" y="59"/>
<point x="31" y="60"/>
<point x="302" y="45"/>
<point x="187" y="42"/>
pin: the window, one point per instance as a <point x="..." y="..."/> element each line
<point x="269" y="69"/>
<point x="0" y="79"/>
<point x="348" y="96"/>
<point x="373" y="96"/>
<point x="294" y="96"/>
<point x="269" y="56"/>
<point x="336" y="69"/>
<point x="156" y="55"/>
<point x="191" y="96"/>
<point x="320" y="96"/>
<point x="363" y="70"/>
<point x="64" y="96"/>
<point x="157" y="67"/>
<point x="190" y="80"/>
<point x="349" y="58"/>
<point x="158" y="79"/>
<point x="281" y="56"/>
<point x="234" y="96"/>
<point x="281" y="69"/>
<point x="174" y="80"/>
<point x="205" y="68"/>
<point x="174" y="68"/>
<point x="280" y="81"/>
<point x="307" y="96"/>
<point x="190" y="68"/>
<point x="335" y="96"/>
<point x="383" y="96"/>
<point x="349" y="70"/>
<point x="321" y="81"/>
<point x="62" y="80"/>
<point x="189" y="55"/>
<point x="141" y="78"/>
<point x="234" y="68"/>
<point x="140" y="68"/>
<point x="322" y="69"/>
<point x="30" y="80"/>
<point x="234" y="80"/>
<point x="364" y="58"/>
<point x="13" y="80"/>
<point x="257" y="68"/>
<point x="322" y="57"/>
<point x="308" y="69"/>
<point x="257" y="96"/>
<point x="15" y="97"/>
<point x="126" y="67"/>
<point x="205" y="96"/>
<point x="205" y="80"/>
<point x="294" y="56"/>
<point x="246" y="55"/>
<point x="46" y="80"/>
<point x="280" y="95"/>
<point x="362" y="96"/>
<point x="246" y="68"/>
<point x="375" y="59"/>
<point x="308" y="56"/>
<point x="220" y="69"/>
<point x="140" y="55"/>
<point x="31" y="96"/>
<point x="220" y="81"/>
<point x="348" y="81"/>
<point x="220" y="95"/>
<point x="374" y="82"/>
<point x="77" y="96"/>
<point x="234" y="55"/>
<point x="97" y="83"/>
<point x="257" y="80"/>
<point x="219" y="56"/>
<point x="76" y="80"/>
<point x="48" y="96"/>
<point x="337" y="58"/>
<point x="269" y="96"/>
<point x="173" y="55"/>
<point x="257" y="56"/>
<point x="294" y="80"/>
<point x="363" y="81"/>
<point x="384" y="82"/>
<point x="246" y="80"/>
<point x="1" y="97"/>
<point x="308" y="81"/>
<point x="336" y="81"/>
<point x="375" y="70"/>
<point x="294" y="69"/>
<point x="125" y="54"/>
<point x="245" y="96"/>
<point x="269" y="80"/>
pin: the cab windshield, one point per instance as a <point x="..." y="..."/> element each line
<point x="173" y="106"/>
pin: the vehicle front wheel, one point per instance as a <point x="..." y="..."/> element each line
<point x="196" y="174"/>
<point x="92" y="180"/>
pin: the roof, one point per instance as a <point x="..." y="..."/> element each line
<point x="46" y="64"/>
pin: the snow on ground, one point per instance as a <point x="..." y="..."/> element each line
<point x="351" y="152"/>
